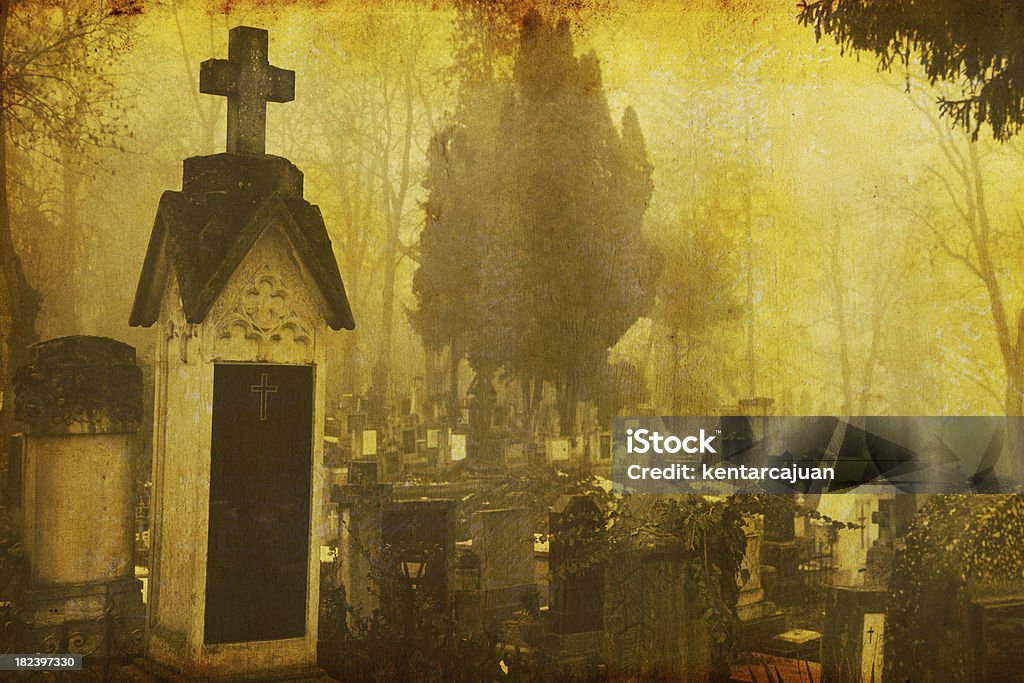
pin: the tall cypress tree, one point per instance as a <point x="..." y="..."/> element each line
<point x="537" y="202"/>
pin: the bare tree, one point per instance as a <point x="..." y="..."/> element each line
<point x="976" y="240"/>
<point x="402" y="107"/>
<point x="56" y="102"/>
<point x="860" y="304"/>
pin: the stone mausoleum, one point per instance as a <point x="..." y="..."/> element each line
<point x="241" y="285"/>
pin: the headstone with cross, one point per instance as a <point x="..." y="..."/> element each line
<point x="241" y="283"/>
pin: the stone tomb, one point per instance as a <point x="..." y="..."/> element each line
<point x="241" y="284"/>
<point x="852" y="644"/>
<point x="361" y="505"/>
<point x="80" y="399"/>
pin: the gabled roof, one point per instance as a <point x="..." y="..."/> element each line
<point x="202" y="234"/>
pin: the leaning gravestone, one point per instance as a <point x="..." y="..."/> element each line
<point x="241" y="283"/>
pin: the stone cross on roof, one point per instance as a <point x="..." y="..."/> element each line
<point x="248" y="80"/>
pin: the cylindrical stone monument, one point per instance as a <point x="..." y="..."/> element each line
<point x="80" y="399"/>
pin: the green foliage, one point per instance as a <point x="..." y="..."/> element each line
<point x="622" y="386"/>
<point x="956" y="546"/>
<point x="408" y="639"/>
<point x="532" y="256"/>
<point x="12" y="558"/>
<point x="975" y="44"/>
<point x="707" y="536"/>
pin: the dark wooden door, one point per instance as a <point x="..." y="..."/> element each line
<point x="260" y="469"/>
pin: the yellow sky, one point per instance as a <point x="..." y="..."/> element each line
<point x="834" y="142"/>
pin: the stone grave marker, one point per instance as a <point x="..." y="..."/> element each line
<point x="852" y="641"/>
<point x="81" y="401"/>
<point x="557" y="449"/>
<point x="458" y="447"/>
<point x="577" y="580"/>
<point x="361" y="506"/>
<point x="369" y="449"/>
<point x="503" y="543"/>
<point x="241" y="284"/>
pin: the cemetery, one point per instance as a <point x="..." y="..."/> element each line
<point x="224" y="486"/>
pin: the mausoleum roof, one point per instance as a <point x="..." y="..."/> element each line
<point x="203" y="233"/>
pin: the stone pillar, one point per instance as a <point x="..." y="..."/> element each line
<point x="81" y="401"/>
<point x="361" y="511"/>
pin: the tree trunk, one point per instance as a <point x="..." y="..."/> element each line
<point x="568" y="397"/>
<point x="383" y="373"/>
<point x="351" y="381"/>
<point x="677" y="400"/>
<point x="1015" y="404"/>
<point x="454" y="361"/>
<point x="842" y="330"/>
<point x="19" y="303"/>
<point x="394" y="205"/>
<point x="75" y="247"/>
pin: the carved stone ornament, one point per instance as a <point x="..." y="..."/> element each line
<point x="264" y="324"/>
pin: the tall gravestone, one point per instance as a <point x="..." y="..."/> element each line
<point x="361" y="505"/>
<point x="241" y="282"/>
<point x="576" y="613"/>
<point x="80" y="399"/>
<point x="503" y="542"/>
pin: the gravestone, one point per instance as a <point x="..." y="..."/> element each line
<point x="241" y="283"/>
<point x="369" y="444"/>
<point x="361" y="504"/>
<point x="557" y="449"/>
<point x="852" y="643"/>
<point x="760" y="621"/>
<point x="433" y="447"/>
<point x="466" y="612"/>
<point x="458" y="447"/>
<point x="576" y="586"/>
<point x="998" y="636"/>
<point x="503" y="543"/>
<point x="655" y="626"/>
<point x="80" y="399"/>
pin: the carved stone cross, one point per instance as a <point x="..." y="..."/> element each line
<point x="248" y="80"/>
<point x="263" y="389"/>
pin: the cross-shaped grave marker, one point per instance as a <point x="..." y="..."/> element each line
<point x="248" y="80"/>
